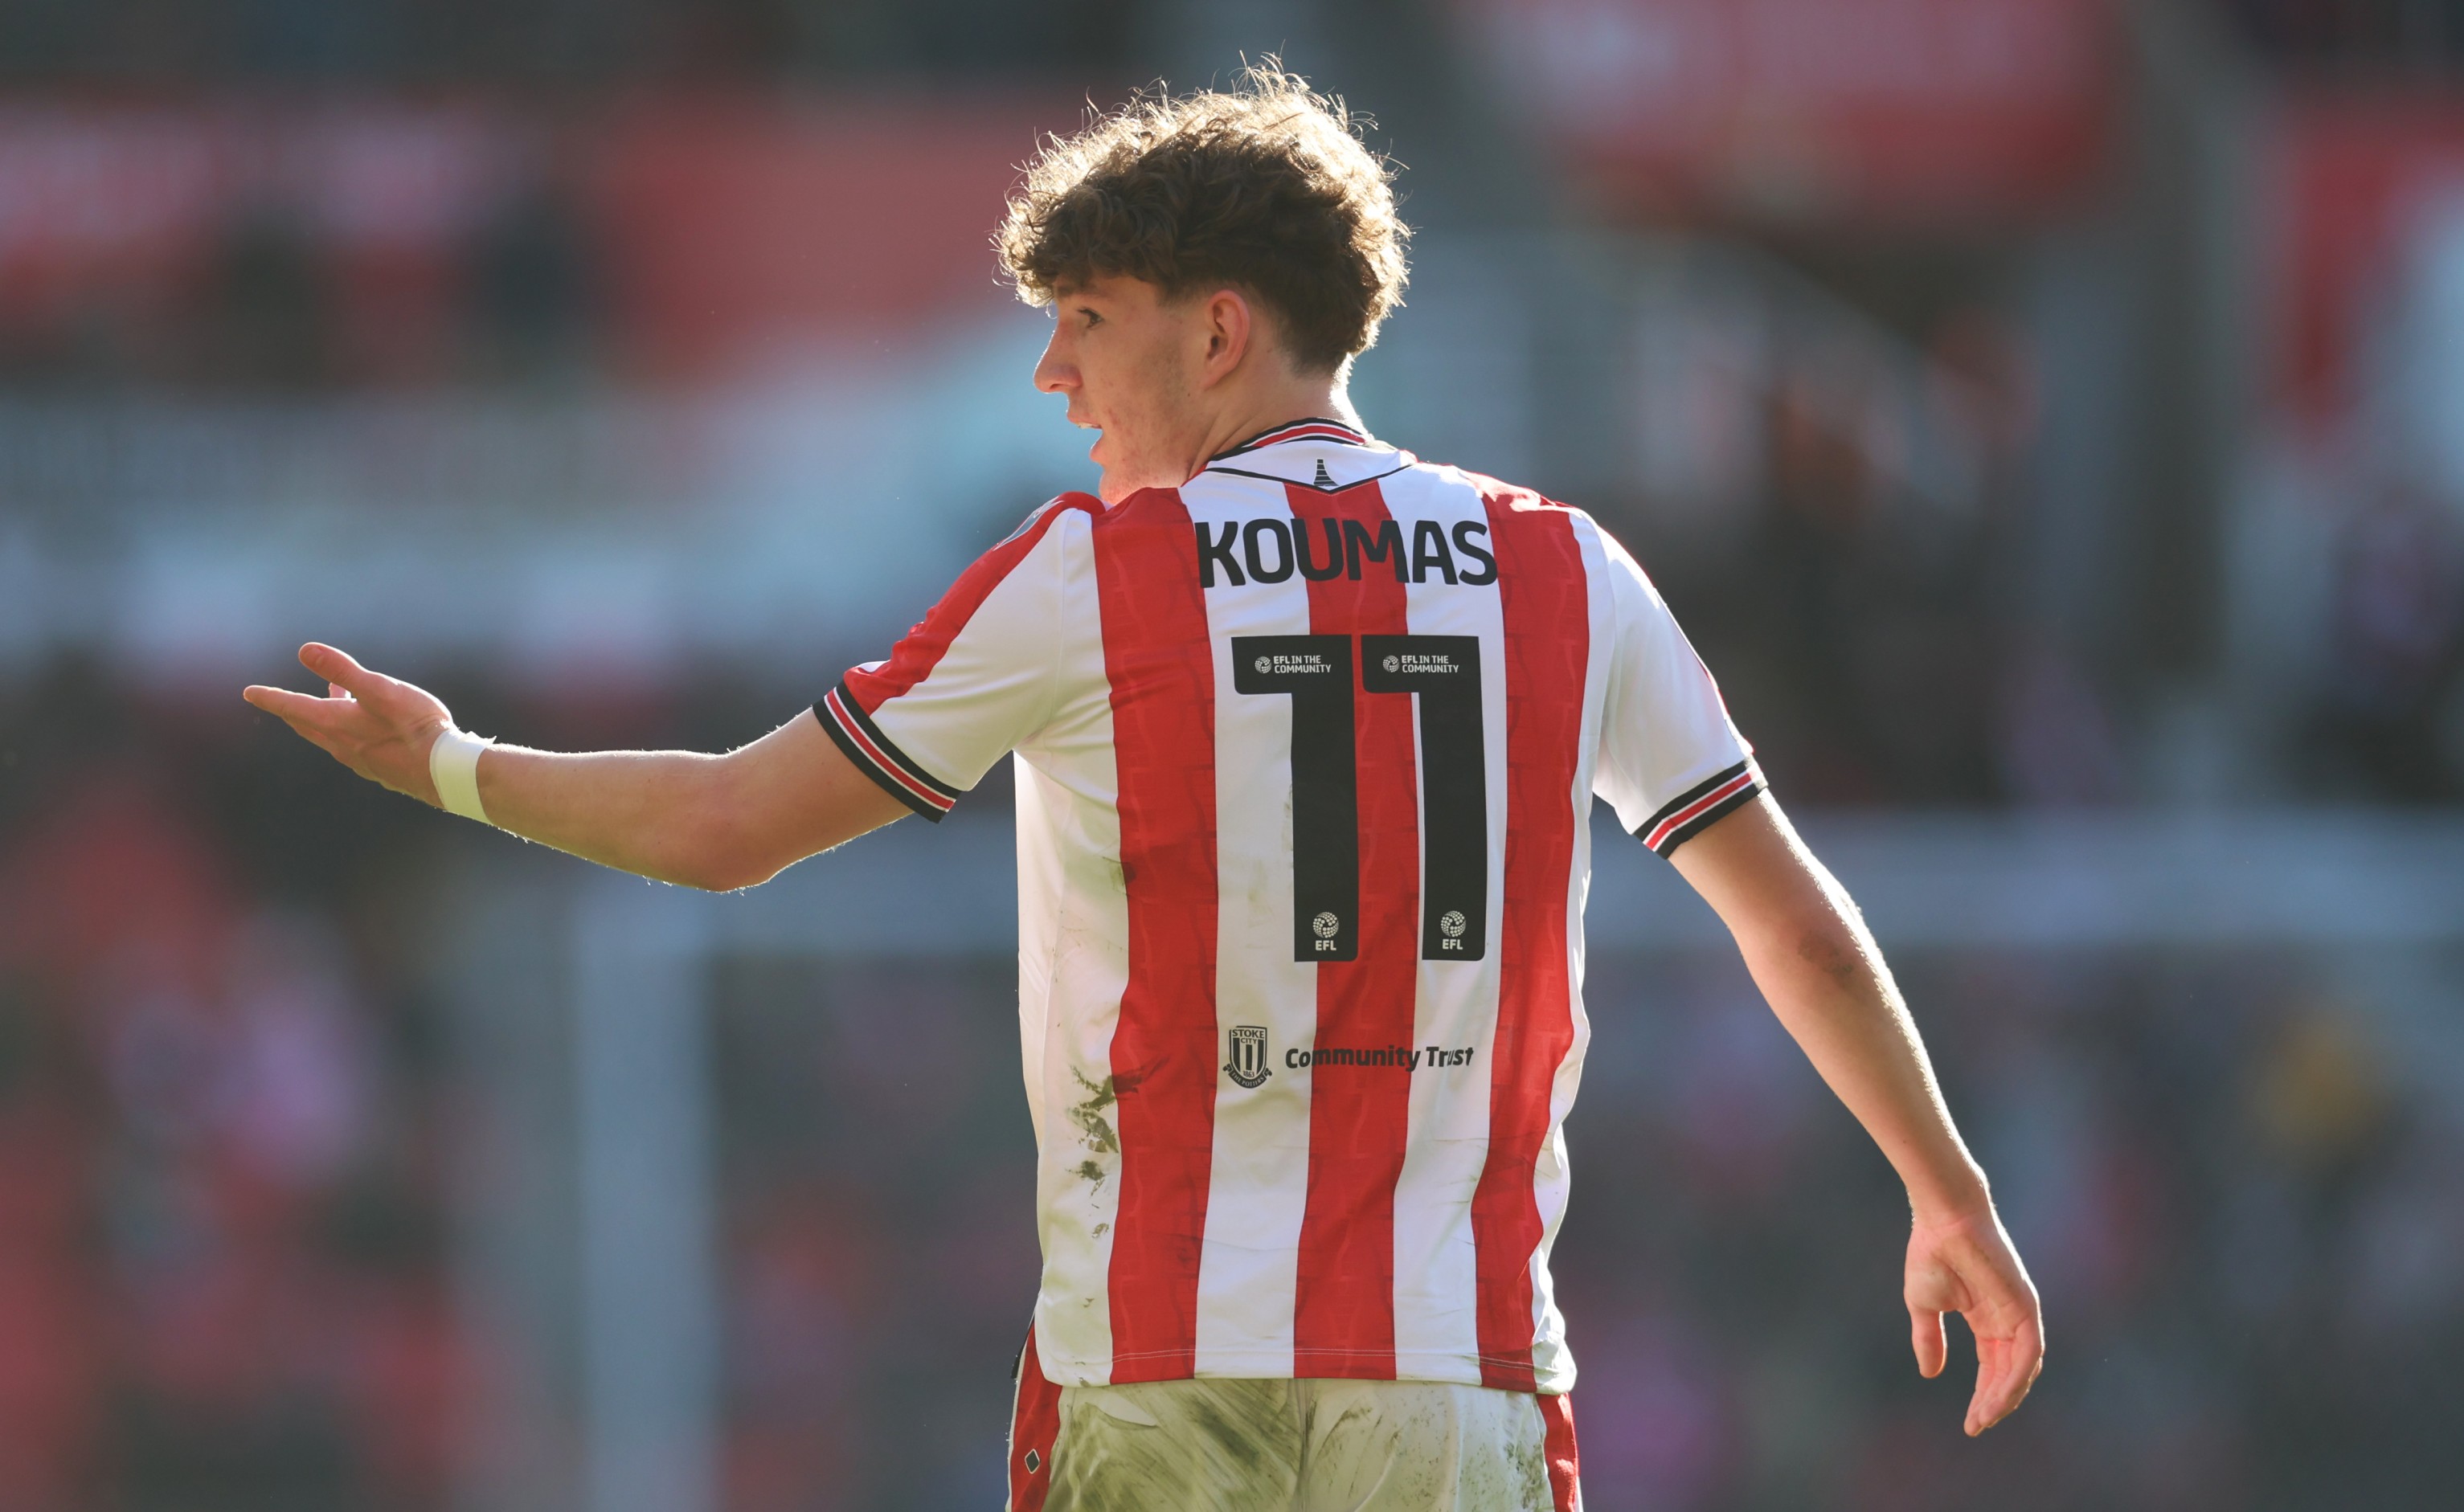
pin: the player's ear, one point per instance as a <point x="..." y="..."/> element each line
<point x="1230" y="328"/>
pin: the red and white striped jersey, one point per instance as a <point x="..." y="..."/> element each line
<point x="1306" y="751"/>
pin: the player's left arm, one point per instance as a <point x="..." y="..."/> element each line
<point x="1812" y="955"/>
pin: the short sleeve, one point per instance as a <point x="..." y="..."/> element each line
<point x="1671" y="761"/>
<point x="977" y="676"/>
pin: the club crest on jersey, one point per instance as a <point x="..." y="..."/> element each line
<point x="1247" y="1067"/>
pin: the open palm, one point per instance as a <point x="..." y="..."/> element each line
<point x="379" y="727"/>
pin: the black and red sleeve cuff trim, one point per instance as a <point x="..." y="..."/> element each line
<point x="1701" y="807"/>
<point x="877" y="758"/>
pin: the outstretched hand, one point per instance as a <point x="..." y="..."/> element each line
<point x="1967" y="1265"/>
<point x="378" y="726"/>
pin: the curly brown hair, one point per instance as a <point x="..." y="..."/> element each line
<point x="1266" y="189"/>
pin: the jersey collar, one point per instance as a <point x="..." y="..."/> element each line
<point x="1327" y="455"/>
<point x="1312" y="429"/>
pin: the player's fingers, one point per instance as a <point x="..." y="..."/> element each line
<point x="315" y="720"/>
<point x="341" y="671"/>
<point x="2006" y="1368"/>
<point x="2004" y="1371"/>
<point x="299" y="708"/>
<point x="1925" y="1328"/>
<point x="1991" y="1364"/>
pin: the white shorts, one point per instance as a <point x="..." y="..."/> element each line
<point x="1288" y="1446"/>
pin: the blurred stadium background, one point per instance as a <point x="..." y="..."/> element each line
<point x="2048" y="416"/>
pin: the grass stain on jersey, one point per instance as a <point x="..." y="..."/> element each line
<point x="1088" y="1116"/>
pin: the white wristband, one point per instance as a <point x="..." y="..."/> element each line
<point x="453" y="766"/>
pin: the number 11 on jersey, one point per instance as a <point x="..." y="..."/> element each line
<point x="1315" y="672"/>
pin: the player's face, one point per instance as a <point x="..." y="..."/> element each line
<point x="1129" y="360"/>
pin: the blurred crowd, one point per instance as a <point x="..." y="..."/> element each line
<point x="2346" y="32"/>
<point x="1871" y="628"/>
<point x="2233" y="1199"/>
<point x="554" y="43"/>
<point x="225" y="1115"/>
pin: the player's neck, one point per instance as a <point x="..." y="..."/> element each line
<point x="1323" y="397"/>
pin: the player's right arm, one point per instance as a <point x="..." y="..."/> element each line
<point x="711" y="821"/>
